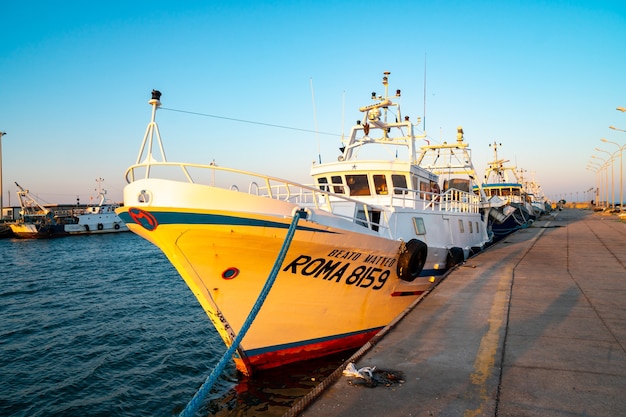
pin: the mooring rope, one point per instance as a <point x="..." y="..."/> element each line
<point x="194" y="404"/>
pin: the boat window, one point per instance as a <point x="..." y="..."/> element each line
<point x="374" y="219"/>
<point x="380" y="183"/>
<point x="477" y="229"/>
<point x="471" y="228"/>
<point x="322" y="182"/>
<point x="461" y="228"/>
<point x="359" y="185"/>
<point x="399" y="181"/>
<point x="418" y="224"/>
<point x="424" y="190"/>
<point x="337" y="184"/>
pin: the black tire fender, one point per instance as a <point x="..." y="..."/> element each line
<point x="455" y="257"/>
<point x="100" y="226"/>
<point x="411" y="260"/>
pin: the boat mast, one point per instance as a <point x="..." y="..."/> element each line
<point x="148" y="138"/>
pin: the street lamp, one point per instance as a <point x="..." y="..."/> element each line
<point x="604" y="165"/>
<point x="621" y="172"/>
<point x="595" y="168"/>
<point x="615" y="128"/>
<point x="611" y="160"/>
<point x="622" y="109"/>
<point x="1" y="190"/>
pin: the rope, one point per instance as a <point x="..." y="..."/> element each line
<point x="249" y="121"/>
<point x="194" y="404"/>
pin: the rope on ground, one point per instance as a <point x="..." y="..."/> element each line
<point x="194" y="404"/>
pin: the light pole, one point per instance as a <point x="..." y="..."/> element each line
<point x="611" y="160"/>
<point x="604" y="166"/>
<point x="1" y="190"/>
<point x="621" y="172"/>
<point x="595" y="167"/>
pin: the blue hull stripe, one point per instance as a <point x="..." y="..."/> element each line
<point x="215" y="219"/>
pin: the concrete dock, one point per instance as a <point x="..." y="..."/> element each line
<point x="533" y="326"/>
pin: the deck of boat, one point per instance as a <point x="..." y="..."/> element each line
<point x="534" y="326"/>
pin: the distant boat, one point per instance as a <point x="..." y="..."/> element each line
<point x="35" y="221"/>
<point x="537" y="198"/>
<point x="511" y="208"/>
<point x="99" y="218"/>
<point x="372" y="235"/>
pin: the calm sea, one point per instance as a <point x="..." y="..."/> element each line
<point x="103" y="325"/>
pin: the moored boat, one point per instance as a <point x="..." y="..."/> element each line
<point x="537" y="198"/>
<point x="510" y="207"/>
<point x="95" y="219"/>
<point x="35" y="221"/>
<point x="372" y="236"/>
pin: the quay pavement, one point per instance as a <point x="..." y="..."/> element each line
<point x="533" y="326"/>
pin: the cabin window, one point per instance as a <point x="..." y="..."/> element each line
<point x="374" y="219"/>
<point x="477" y="229"/>
<point x="322" y="182"/>
<point x="418" y="224"/>
<point x="471" y="228"/>
<point x="461" y="228"/>
<point x="424" y="190"/>
<point x="337" y="184"/>
<point x="359" y="185"/>
<point x="399" y="181"/>
<point x="380" y="183"/>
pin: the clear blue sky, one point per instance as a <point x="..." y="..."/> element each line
<point x="543" y="78"/>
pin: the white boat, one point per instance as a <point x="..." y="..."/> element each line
<point x="99" y="218"/>
<point x="372" y="235"/>
<point x="537" y="198"/>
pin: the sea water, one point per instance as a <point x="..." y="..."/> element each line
<point x="103" y="325"/>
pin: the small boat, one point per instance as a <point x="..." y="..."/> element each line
<point x="99" y="218"/>
<point x="35" y="221"/>
<point x="372" y="235"/>
<point x="510" y="206"/>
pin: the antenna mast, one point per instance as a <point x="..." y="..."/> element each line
<point x="424" y="91"/>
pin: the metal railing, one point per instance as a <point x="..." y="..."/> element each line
<point x="275" y="188"/>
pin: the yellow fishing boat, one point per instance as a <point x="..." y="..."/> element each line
<point x="371" y="237"/>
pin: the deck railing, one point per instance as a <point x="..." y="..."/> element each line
<point x="453" y="200"/>
<point x="267" y="186"/>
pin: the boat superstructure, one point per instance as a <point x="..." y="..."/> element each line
<point x="421" y="191"/>
<point x="359" y="255"/>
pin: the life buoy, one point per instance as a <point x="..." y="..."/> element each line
<point x="100" y="226"/>
<point x="117" y="226"/>
<point x="455" y="257"/>
<point x="411" y="260"/>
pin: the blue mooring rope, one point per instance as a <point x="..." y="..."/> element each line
<point x="194" y="404"/>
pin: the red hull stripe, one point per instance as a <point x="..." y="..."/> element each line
<point x="296" y="352"/>
<point x="405" y="293"/>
